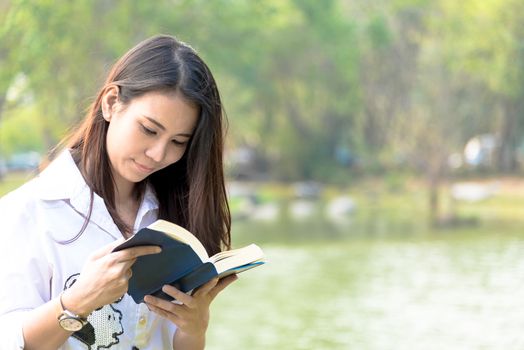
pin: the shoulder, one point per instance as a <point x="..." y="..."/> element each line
<point x="22" y="199"/>
<point x="60" y="180"/>
<point x="26" y="214"/>
<point x="19" y="211"/>
<point x="46" y="190"/>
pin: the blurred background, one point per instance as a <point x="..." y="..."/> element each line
<point x="375" y="151"/>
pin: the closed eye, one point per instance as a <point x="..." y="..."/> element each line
<point x="179" y="143"/>
<point x="147" y="131"/>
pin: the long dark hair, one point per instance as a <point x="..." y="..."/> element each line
<point x="190" y="192"/>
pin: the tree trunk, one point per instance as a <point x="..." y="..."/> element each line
<point x="505" y="158"/>
<point x="434" y="201"/>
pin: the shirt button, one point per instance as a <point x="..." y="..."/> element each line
<point x="142" y="321"/>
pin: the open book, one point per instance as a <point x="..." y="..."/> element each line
<point x="183" y="262"/>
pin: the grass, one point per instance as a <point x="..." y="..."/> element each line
<point x="384" y="213"/>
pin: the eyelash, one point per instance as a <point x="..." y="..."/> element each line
<point x="150" y="132"/>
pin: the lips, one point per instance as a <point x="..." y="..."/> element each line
<point x="144" y="168"/>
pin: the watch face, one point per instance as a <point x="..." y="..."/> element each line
<point x="71" y="324"/>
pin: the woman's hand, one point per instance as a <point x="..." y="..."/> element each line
<point x="104" y="278"/>
<point x="190" y="313"/>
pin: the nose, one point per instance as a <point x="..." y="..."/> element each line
<point x="156" y="151"/>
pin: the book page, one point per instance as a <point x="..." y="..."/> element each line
<point x="181" y="234"/>
<point x="229" y="259"/>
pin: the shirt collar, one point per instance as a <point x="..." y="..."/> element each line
<point x="147" y="212"/>
<point x="62" y="180"/>
<point x="150" y="201"/>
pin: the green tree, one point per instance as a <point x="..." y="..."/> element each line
<point x="483" y="40"/>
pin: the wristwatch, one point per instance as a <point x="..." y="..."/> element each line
<point x="70" y="321"/>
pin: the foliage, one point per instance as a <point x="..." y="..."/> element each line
<point x="319" y="88"/>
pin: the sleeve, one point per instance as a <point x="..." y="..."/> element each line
<point x="24" y="270"/>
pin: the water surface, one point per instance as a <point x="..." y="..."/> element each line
<point x="447" y="293"/>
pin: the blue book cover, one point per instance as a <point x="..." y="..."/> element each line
<point x="178" y="263"/>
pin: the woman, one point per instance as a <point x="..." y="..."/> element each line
<point x="149" y="148"/>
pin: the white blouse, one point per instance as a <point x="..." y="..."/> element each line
<point x="36" y="265"/>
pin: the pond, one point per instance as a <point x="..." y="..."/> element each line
<point x="454" y="291"/>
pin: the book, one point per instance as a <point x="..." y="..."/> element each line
<point x="183" y="261"/>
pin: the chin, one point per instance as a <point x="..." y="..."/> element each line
<point x="135" y="178"/>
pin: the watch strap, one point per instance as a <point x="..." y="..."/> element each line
<point x="68" y="313"/>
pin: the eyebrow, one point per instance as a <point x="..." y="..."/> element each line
<point x="163" y="127"/>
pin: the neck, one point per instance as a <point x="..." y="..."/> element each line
<point x="124" y="193"/>
<point x="126" y="200"/>
<point x="126" y="205"/>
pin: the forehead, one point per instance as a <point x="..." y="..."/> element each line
<point x="170" y="109"/>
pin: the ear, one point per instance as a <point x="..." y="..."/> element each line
<point x="109" y="101"/>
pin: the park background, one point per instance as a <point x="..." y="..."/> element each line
<point x="375" y="151"/>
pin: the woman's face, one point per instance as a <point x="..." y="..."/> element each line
<point x="148" y="134"/>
